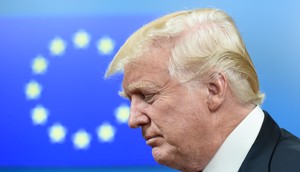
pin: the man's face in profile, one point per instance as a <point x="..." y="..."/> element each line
<point x="174" y="117"/>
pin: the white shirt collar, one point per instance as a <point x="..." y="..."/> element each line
<point x="233" y="151"/>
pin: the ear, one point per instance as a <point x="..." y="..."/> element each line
<point x="217" y="88"/>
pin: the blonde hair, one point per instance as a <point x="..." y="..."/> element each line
<point x="204" y="42"/>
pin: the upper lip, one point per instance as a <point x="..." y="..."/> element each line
<point x="149" y="133"/>
<point x="148" y="137"/>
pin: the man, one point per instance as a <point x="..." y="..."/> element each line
<point x="195" y="94"/>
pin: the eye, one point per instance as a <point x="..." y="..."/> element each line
<point x="149" y="98"/>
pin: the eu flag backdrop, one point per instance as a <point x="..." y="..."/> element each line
<point x="57" y="110"/>
<point x="56" y="107"/>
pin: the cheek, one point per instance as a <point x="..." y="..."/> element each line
<point x="179" y="114"/>
<point x="187" y="121"/>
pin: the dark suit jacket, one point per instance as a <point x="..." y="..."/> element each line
<point x="274" y="150"/>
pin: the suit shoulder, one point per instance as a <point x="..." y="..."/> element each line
<point x="286" y="155"/>
<point x="289" y="142"/>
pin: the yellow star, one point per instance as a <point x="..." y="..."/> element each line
<point x="39" y="115"/>
<point x="106" y="132"/>
<point x="122" y="113"/>
<point x="39" y="65"/>
<point x="57" y="133"/>
<point x="81" y="139"/>
<point x="105" y="45"/>
<point x="81" y="39"/>
<point x="57" y="46"/>
<point x="33" y="90"/>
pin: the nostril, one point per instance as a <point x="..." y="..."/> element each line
<point x="138" y="119"/>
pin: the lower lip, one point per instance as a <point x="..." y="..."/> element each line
<point x="153" y="141"/>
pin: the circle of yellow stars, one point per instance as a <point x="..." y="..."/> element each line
<point x="57" y="132"/>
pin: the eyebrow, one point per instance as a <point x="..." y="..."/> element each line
<point x="136" y="86"/>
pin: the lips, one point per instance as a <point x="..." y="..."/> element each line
<point x="152" y="140"/>
<point x="152" y="135"/>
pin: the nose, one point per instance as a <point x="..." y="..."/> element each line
<point x="138" y="116"/>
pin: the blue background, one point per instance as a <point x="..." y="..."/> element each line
<point x="77" y="95"/>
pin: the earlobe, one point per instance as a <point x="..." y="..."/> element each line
<point x="217" y="88"/>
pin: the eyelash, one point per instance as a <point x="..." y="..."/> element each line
<point x="148" y="98"/>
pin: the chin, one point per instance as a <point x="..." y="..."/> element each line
<point x="164" y="155"/>
<point x="168" y="156"/>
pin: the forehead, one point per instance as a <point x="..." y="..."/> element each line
<point x="151" y="67"/>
